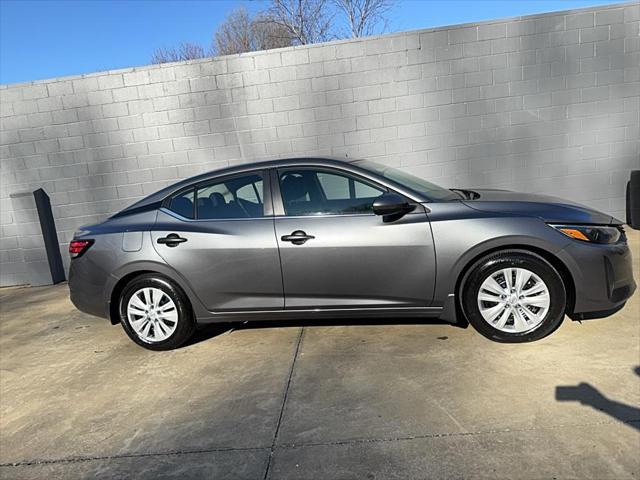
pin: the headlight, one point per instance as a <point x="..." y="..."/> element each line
<point x="590" y="233"/>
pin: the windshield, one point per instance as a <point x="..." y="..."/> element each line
<point x="412" y="182"/>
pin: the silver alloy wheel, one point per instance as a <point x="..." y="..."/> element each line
<point x="514" y="300"/>
<point x="152" y="314"/>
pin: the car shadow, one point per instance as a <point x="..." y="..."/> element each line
<point x="209" y="331"/>
<point x="587" y="394"/>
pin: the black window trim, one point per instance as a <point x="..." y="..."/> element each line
<point x="267" y="204"/>
<point x="135" y="210"/>
<point x="278" y="204"/>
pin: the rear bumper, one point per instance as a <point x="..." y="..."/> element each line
<point x="603" y="278"/>
<point x="86" y="289"/>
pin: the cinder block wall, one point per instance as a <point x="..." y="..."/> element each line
<point x="545" y="103"/>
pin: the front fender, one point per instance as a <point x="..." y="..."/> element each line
<point x="460" y="240"/>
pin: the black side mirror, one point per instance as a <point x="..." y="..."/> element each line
<point x="391" y="206"/>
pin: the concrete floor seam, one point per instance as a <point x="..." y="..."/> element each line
<point x="291" y="446"/>
<point x="284" y="402"/>
<point x="356" y="441"/>
<point x="55" y="461"/>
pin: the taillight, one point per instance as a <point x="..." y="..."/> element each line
<point x="78" y="247"/>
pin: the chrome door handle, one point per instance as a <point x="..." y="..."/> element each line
<point x="297" y="238"/>
<point x="171" y="240"/>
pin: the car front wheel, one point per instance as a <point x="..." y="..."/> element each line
<point x="155" y="313"/>
<point x="514" y="296"/>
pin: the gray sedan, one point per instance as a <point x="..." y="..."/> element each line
<point x="317" y="238"/>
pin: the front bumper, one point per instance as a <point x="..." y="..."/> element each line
<point x="602" y="276"/>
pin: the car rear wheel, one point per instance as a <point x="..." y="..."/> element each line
<point x="155" y="313"/>
<point x="514" y="296"/>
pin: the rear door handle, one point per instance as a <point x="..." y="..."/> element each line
<point x="171" y="240"/>
<point x="297" y="238"/>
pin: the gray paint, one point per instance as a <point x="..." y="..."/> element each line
<point x="237" y="259"/>
<point x="547" y="103"/>
<point x="131" y="241"/>
<point x="353" y="265"/>
<point x="355" y="261"/>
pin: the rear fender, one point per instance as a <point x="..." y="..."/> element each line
<point x="129" y="270"/>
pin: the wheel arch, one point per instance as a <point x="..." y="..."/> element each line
<point x="555" y="261"/>
<point x="114" y="314"/>
<point x="131" y="271"/>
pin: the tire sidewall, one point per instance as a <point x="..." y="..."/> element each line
<point x="514" y="259"/>
<point x="185" y="326"/>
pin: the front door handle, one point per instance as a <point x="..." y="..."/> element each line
<point x="297" y="238"/>
<point x="171" y="240"/>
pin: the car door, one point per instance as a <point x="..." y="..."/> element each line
<point x="219" y="236"/>
<point x="336" y="253"/>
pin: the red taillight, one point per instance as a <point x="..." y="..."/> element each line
<point x="78" y="247"/>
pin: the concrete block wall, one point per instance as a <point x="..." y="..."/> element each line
<point x="546" y="103"/>
<point x="29" y="259"/>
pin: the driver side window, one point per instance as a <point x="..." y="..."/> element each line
<point x="308" y="191"/>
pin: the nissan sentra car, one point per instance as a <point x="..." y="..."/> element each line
<point x="317" y="238"/>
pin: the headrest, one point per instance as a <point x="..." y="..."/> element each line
<point x="204" y="202"/>
<point x="294" y="188"/>
<point x="217" y="199"/>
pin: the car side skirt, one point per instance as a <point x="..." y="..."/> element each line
<point x="328" y="313"/>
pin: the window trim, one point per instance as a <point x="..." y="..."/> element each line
<point x="267" y="203"/>
<point x="278" y="203"/>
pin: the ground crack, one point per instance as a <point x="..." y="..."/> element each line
<point x="285" y="446"/>
<point x="284" y="404"/>
<point x="129" y="455"/>
<point x="354" y="441"/>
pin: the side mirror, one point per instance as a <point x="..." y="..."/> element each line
<point x="391" y="205"/>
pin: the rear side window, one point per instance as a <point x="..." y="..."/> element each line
<point x="234" y="197"/>
<point x="317" y="192"/>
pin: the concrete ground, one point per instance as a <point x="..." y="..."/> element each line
<point x="326" y="400"/>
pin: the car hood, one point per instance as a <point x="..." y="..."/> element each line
<point x="548" y="208"/>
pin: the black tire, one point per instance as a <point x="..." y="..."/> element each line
<point x="520" y="259"/>
<point x="633" y="217"/>
<point x="185" y="326"/>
